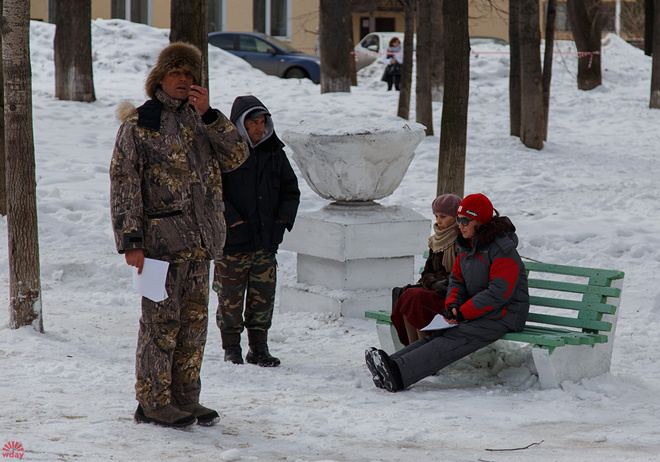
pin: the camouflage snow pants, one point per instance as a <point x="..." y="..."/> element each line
<point x="172" y="337"/>
<point x="254" y="272"/>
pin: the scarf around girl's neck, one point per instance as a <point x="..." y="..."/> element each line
<point x="442" y="240"/>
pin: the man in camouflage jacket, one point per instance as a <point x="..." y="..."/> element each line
<point x="166" y="204"/>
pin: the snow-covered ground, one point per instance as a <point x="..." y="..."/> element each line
<point x="589" y="198"/>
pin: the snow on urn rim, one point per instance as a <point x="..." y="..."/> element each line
<point x="348" y="159"/>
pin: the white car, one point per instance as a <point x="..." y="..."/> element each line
<point x="374" y="45"/>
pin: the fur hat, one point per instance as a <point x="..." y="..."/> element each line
<point x="177" y="55"/>
<point x="478" y="207"/>
<point x="446" y="204"/>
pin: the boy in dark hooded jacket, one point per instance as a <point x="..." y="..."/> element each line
<point x="261" y="200"/>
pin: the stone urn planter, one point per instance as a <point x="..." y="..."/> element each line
<point x="347" y="160"/>
<point x="353" y="251"/>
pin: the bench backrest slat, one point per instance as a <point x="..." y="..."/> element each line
<point x="576" y="305"/>
<point x="560" y="308"/>
<point x="569" y="322"/>
<point x="600" y="276"/>
<point x="561" y="286"/>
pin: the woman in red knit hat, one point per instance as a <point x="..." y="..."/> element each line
<point x="486" y="298"/>
<point x="417" y="305"/>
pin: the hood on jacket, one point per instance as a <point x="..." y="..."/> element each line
<point x="507" y="242"/>
<point x="242" y="106"/>
<point x="126" y="110"/>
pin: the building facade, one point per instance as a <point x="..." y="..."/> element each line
<point x="297" y="21"/>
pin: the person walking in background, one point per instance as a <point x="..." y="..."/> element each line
<point x="417" y="305"/>
<point x="394" y="60"/>
<point x="487" y="297"/>
<point x="261" y="202"/>
<point x="166" y="204"/>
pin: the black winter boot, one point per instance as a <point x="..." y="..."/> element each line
<point x="384" y="372"/>
<point x="231" y="343"/>
<point x="258" y="353"/>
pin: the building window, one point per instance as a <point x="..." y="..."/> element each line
<point x="118" y="9"/>
<point x="132" y="10"/>
<point x="52" y="11"/>
<point x="272" y="17"/>
<point x="216" y="15"/>
<point x="607" y="17"/>
<point x="562" y="18"/>
<point x="140" y="11"/>
<point x="279" y="17"/>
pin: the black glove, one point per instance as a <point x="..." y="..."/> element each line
<point x="459" y="316"/>
<point x="448" y="313"/>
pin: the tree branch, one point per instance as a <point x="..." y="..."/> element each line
<point x="514" y="449"/>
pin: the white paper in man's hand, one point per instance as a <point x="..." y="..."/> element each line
<point x="151" y="283"/>
<point x="438" y="323"/>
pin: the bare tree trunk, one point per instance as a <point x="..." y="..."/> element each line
<point x="354" y="81"/>
<point x="335" y="17"/>
<point x="438" y="61"/>
<point x="3" y="172"/>
<point x="22" y="230"/>
<point x="514" y="67"/>
<point x="405" y="87"/>
<point x="586" y="24"/>
<point x="189" y="22"/>
<point x="655" y="72"/>
<point x="423" y="106"/>
<point x="547" y="62"/>
<point x="74" y="77"/>
<point x="531" y="94"/>
<point x="649" y="18"/>
<point x="453" y="132"/>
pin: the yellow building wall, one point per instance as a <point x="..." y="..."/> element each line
<point x="305" y="25"/>
<point x="101" y="9"/>
<point x="39" y="10"/>
<point x="238" y="15"/>
<point x="489" y="19"/>
<point x="160" y="14"/>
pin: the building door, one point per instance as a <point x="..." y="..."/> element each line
<point x="382" y="25"/>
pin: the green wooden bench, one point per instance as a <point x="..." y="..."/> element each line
<point x="571" y="322"/>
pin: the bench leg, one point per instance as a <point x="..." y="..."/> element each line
<point x="571" y="362"/>
<point x="388" y="338"/>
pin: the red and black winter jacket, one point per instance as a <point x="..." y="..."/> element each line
<point x="490" y="281"/>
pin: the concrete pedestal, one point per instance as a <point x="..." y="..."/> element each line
<point x="350" y="255"/>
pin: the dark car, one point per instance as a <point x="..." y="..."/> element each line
<point x="269" y="54"/>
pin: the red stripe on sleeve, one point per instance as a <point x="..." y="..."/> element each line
<point x="458" y="274"/>
<point x="456" y="269"/>
<point x="507" y="269"/>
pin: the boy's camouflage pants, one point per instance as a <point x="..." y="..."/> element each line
<point x="254" y="272"/>
<point x="172" y="337"/>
